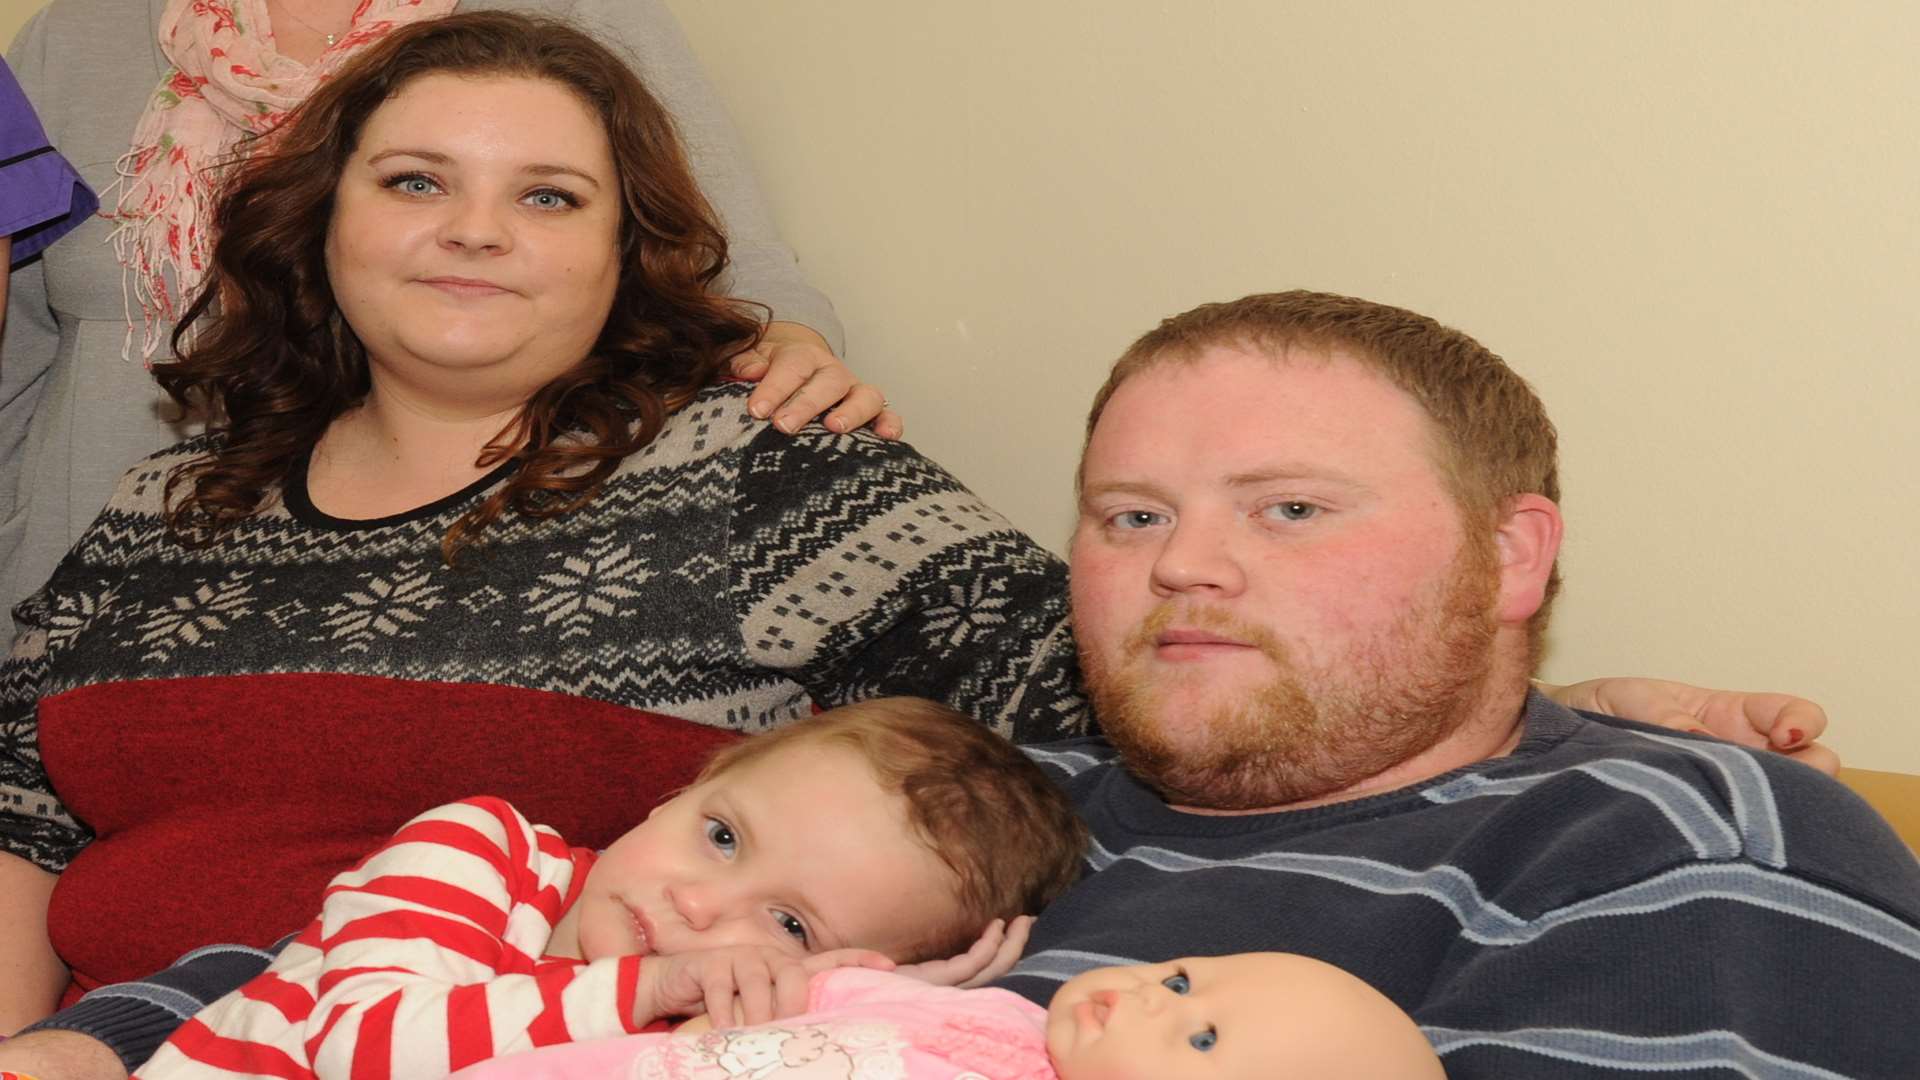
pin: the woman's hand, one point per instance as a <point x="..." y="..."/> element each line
<point x="1780" y="722"/>
<point x="800" y="378"/>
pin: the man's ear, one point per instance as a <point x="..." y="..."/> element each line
<point x="1526" y="542"/>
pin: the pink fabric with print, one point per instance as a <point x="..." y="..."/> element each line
<point x="229" y="82"/>
<point x="859" y="1025"/>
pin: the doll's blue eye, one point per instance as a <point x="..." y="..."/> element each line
<point x="1204" y="1040"/>
<point x="1177" y="982"/>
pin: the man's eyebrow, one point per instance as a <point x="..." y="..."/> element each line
<point x="1251" y="478"/>
<point x="1281" y="473"/>
<point x="434" y="157"/>
<point x="1143" y="488"/>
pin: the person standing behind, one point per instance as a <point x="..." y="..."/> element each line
<point x="41" y="197"/>
<point x="113" y="79"/>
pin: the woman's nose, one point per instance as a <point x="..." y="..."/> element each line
<point x="475" y="225"/>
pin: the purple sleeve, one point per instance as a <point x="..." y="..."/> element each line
<point x="41" y="197"/>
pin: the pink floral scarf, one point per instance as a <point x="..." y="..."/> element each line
<point x="227" y="84"/>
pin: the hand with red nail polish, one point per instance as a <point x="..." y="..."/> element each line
<point x="1791" y="725"/>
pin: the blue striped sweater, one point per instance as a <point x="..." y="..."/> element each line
<point x="1610" y="898"/>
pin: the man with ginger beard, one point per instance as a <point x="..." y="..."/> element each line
<point x="1315" y="550"/>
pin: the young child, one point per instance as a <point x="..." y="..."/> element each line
<point x="1253" y="1016"/>
<point x="895" y="829"/>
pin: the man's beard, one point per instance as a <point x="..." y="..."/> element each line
<point x="1305" y="734"/>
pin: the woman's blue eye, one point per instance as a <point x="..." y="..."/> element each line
<point x="1293" y="510"/>
<point x="793" y="926"/>
<point x="1177" y="982"/>
<point x="413" y="184"/>
<point x="1135" y="519"/>
<point x="1203" y="1040"/>
<point x="553" y="199"/>
<point x="720" y="835"/>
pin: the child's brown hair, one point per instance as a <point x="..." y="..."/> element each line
<point x="1007" y="832"/>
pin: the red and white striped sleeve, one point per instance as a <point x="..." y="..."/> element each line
<point x="430" y="950"/>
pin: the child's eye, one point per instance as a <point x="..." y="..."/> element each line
<point x="1203" y="1041"/>
<point x="720" y="835"/>
<point x="792" y="925"/>
<point x="1177" y="982"/>
<point x="552" y="199"/>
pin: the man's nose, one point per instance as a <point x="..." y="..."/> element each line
<point x="1198" y="554"/>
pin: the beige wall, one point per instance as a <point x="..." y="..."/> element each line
<point x="12" y="14"/>
<point x="1691" y="224"/>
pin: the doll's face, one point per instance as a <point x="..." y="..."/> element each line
<point x="1197" y="1017"/>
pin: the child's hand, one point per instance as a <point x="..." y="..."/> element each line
<point x="744" y="984"/>
<point x="992" y="956"/>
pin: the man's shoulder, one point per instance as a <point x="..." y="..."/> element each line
<point x="1662" y="801"/>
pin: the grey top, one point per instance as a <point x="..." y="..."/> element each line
<point x="75" y="415"/>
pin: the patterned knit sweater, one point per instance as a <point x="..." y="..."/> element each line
<point x="255" y="716"/>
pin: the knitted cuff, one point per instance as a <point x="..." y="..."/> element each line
<point x="132" y="1019"/>
<point x="130" y="1027"/>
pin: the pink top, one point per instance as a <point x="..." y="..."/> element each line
<point x="859" y="1025"/>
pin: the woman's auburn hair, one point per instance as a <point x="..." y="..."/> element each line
<point x="277" y="363"/>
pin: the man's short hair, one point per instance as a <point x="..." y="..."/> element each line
<point x="1493" y="440"/>
<point x="1008" y="833"/>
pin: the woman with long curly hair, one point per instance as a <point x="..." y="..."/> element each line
<point x="116" y="81"/>
<point x="474" y="513"/>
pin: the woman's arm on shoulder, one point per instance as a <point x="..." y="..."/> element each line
<point x="1782" y="722"/>
<point x="800" y="379"/>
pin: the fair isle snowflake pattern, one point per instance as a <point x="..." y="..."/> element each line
<point x="73" y="613"/>
<point x="729" y="575"/>
<point x="383" y="607"/>
<point x="192" y="620"/>
<point x="974" y="610"/>
<point x="592" y="584"/>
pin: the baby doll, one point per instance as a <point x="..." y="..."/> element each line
<point x="1252" y="1016"/>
